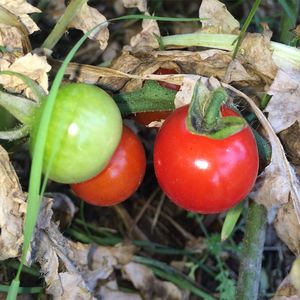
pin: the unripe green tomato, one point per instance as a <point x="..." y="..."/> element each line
<point x="85" y="130"/>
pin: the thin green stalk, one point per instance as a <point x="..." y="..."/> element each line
<point x="253" y="244"/>
<point x="245" y="27"/>
<point x="22" y="290"/>
<point x="212" y="114"/>
<point x="281" y="53"/>
<point x="166" y="272"/>
<point x="60" y="28"/>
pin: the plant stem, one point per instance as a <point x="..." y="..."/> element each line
<point x="281" y="53"/>
<point x="244" y="28"/>
<point x="250" y="267"/>
<point x="61" y="26"/>
<point x="212" y="114"/>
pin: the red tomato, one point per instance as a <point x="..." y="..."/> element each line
<point x="145" y="118"/>
<point x="202" y="174"/>
<point x="122" y="176"/>
<point x="167" y="85"/>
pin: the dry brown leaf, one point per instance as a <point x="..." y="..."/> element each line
<point x="12" y="208"/>
<point x="107" y="293"/>
<point x="219" y="18"/>
<point x="150" y="287"/>
<point x="287" y="227"/>
<point x="295" y="274"/>
<point x="284" y="106"/>
<point x="286" y="291"/>
<point x="87" y="18"/>
<point x="145" y="40"/>
<point x="31" y="65"/>
<point x="140" y="4"/>
<point x="21" y="9"/>
<point x="83" y="265"/>
<point x="256" y="53"/>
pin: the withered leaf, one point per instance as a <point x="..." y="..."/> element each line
<point x="21" y="9"/>
<point x="219" y="19"/>
<point x="87" y="18"/>
<point x="284" y="106"/>
<point x="31" y="65"/>
<point x="140" y="4"/>
<point x="12" y="209"/>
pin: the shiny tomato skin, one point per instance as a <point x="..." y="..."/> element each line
<point x="202" y="174"/>
<point x="84" y="132"/>
<point x="122" y="176"/>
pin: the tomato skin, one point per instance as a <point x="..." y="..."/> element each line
<point x="202" y="174"/>
<point x="90" y="126"/>
<point x="122" y="176"/>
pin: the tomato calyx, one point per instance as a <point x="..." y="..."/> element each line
<point x="205" y="118"/>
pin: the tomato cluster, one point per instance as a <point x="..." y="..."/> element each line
<point x="196" y="171"/>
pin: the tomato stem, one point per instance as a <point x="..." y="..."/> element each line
<point x="212" y="114"/>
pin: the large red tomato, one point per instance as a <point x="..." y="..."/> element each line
<point x="122" y="176"/>
<point x="203" y="174"/>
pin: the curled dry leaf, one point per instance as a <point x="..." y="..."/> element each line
<point x="21" y="9"/>
<point x="284" y="106"/>
<point x="287" y="227"/>
<point x="87" y="18"/>
<point x="219" y="19"/>
<point x="140" y="4"/>
<point x="255" y="52"/>
<point x="31" y="65"/>
<point x="145" y="40"/>
<point x="150" y="287"/>
<point x="12" y="208"/>
<point x="286" y="290"/>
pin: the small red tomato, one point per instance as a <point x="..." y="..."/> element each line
<point x="122" y="176"/>
<point x="171" y="86"/>
<point x="145" y="118"/>
<point x="203" y="174"/>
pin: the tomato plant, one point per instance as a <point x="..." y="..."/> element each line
<point x="200" y="173"/>
<point x="122" y="176"/>
<point x="146" y="118"/>
<point x="85" y="129"/>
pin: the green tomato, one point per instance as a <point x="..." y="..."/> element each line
<point x="85" y="130"/>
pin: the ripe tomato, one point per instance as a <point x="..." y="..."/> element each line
<point x="202" y="174"/>
<point x="88" y="124"/>
<point x="122" y="176"/>
<point x="145" y="118"/>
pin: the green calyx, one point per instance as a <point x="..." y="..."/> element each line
<point x="204" y="116"/>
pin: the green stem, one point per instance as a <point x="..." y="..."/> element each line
<point x="281" y="53"/>
<point x="244" y="28"/>
<point x="212" y="114"/>
<point x="250" y="267"/>
<point x="20" y="107"/>
<point x="62" y="24"/>
<point x="15" y="134"/>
